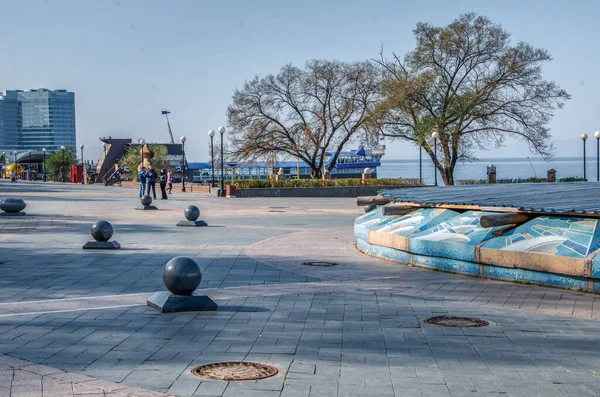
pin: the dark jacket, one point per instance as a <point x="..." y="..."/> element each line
<point x="142" y="176"/>
<point x="151" y="176"/>
<point x="162" y="178"/>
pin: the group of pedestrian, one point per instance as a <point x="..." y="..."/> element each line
<point x="148" y="180"/>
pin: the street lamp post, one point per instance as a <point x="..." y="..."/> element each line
<point x="183" y="139"/>
<point x="62" y="148"/>
<point x="211" y="134"/>
<point x="3" y="164"/>
<point x="29" y="167"/>
<point x="16" y="165"/>
<point x="221" y="130"/>
<point x="44" y="169"/>
<point x="82" y="166"/>
<point x="420" y="164"/>
<point x="584" y="137"/>
<point x="597" y="135"/>
<point x="435" y="136"/>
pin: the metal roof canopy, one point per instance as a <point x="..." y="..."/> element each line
<point x="580" y="198"/>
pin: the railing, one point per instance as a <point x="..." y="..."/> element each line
<point x="113" y="178"/>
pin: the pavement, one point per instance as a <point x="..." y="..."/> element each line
<point x="75" y="322"/>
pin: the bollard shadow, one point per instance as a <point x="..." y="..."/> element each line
<point x="241" y="309"/>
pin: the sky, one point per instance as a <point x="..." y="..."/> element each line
<point x="126" y="60"/>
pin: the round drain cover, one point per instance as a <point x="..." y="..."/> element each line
<point x="453" y="321"/>
<point x="317" y="263"/>
<point x="235" y="371"/>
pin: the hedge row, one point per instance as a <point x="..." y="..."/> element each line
<point x="266" y="183"/>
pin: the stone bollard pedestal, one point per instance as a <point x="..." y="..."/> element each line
<point x="146" y="204"/>
<point x="12" y="207"/>
<point x="102" y="231"/>
<point x="192" y="213"/>
<point x="181" y="276"/>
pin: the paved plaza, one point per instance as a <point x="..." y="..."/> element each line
<point x="75" y="322"/>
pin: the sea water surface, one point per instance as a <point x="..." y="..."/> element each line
<point x="506" y="168"/>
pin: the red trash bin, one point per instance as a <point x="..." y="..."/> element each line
<point x="230" y="191"/>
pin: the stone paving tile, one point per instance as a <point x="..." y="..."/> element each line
<point x="355" y="329"/>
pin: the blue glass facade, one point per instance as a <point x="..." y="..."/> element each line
<point x="46" y="119"/>
<point x="11" y="122"/>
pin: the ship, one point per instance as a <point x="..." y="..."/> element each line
<point x="350" y="164"/>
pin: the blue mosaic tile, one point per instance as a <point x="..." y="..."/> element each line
<point x="417" y="221"/>
<point x="450" y="265"/>
<point x="454" y="239"/>
<point x="389" y="253"/>
<point x="562" y="236"/>
<point x="532" y="276"/>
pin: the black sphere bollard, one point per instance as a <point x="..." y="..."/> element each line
<point x="12" y="207"/>
<point x="191" y="213"/>
<point x="181" y="276"/>
<point x="146" y="201"/>
<point x="102" y="231"/>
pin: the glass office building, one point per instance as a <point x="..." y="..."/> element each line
<point x="11" y="122"/>
<point x="46" y="119"/>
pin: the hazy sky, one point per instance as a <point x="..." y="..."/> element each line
<point x="126" y="60"/>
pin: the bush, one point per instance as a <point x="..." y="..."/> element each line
<point x="289" y="183"/>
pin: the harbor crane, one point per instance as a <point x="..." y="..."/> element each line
<point x="166" y="113"/>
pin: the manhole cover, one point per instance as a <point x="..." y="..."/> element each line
<point x="317" y="263"/>
<point x="453" y="321"/>
<point x="235" y="371"/>
<point x="276" y="211"/>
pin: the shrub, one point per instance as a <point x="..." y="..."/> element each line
<point x="266" y="183"/>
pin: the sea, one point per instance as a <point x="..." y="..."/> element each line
<point x="506" y="168"/>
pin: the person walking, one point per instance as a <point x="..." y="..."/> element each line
<point x="142" y="180"/>
<point x="151" y="177"/>
<point x="170" y="181"/>
<point x="162" y="179"/>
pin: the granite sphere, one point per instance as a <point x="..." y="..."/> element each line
<point x="12" y="204"/>
<point x="102" y="231"/>
<point x="182" y="275"/>
<point x="192" y="213"/>
<point x="146" y="200"/>
<point x="369" y="208"/>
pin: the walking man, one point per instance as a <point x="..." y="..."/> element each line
<point x="151" y="177"/>
<point x="142" y="179"/>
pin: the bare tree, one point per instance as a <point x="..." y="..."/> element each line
<point x="304" y="113"/>
<point x="470" y="84"/>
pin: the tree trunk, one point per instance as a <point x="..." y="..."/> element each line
<point x="315" y="173"/>
<point x="448" y="175"/>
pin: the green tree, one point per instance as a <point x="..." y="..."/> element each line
<point x="469" y="83"/>
<point x="304" y="112"/>
<point x="59" y="163"/>
<point x="132" y="158"/>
